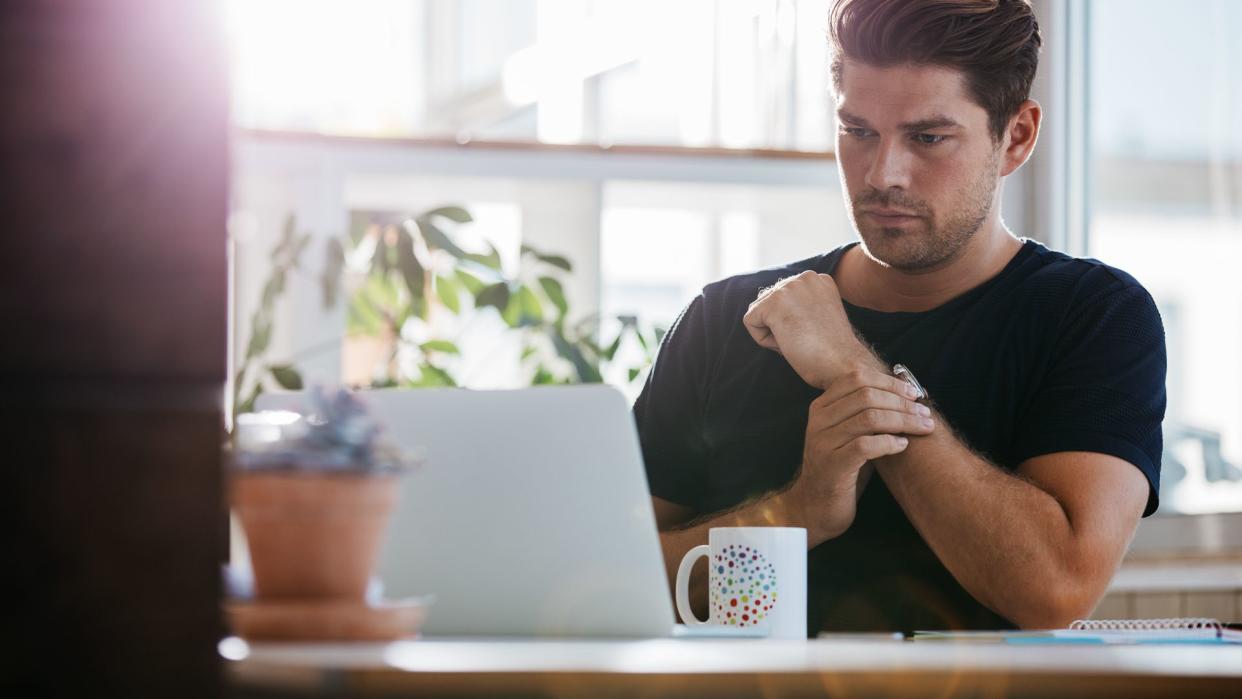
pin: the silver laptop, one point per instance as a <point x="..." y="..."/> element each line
<point x="530" y="517"/>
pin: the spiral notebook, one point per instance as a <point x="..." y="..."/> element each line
<point x="1192" y="629"/>
<point x="1098" y="631"/>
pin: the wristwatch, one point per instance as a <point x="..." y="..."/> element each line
<point x="903" y="373"/>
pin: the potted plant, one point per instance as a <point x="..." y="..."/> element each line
<point x="314" y="493"/>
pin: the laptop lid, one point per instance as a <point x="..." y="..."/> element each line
<point x="530" y="517"/>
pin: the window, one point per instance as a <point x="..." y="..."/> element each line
<point x="1165" y="204"/>
<point x="691" y="73"/>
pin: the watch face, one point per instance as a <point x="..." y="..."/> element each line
<point x="901" y="372"/>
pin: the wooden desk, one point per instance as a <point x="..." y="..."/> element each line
<point x="724" y="668"/>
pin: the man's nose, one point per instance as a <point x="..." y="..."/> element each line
<point x="889" y="167"/>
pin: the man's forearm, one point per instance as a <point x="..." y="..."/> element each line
<point x="1009" y="543"/>
<point x="776" y="509"/>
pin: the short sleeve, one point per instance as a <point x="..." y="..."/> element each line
<point x="669" y="411"/>
<point x="1105" y="388"/>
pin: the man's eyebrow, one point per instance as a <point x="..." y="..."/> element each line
<point x="850" y="118"/>
<point x="938" y="121"/>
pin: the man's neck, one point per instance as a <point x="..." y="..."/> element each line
<point x="867" y="283"/>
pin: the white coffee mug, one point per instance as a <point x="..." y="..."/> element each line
<point x="756" y="580"/>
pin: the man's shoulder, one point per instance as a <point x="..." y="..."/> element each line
<point x="1067" y="281"/>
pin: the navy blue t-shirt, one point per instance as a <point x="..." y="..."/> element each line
<point x="1052" y="354"/>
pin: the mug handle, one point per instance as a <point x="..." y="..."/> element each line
<point x="683" y="584"/>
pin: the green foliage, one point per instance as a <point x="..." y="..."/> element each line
<point x="286" y="376"/>
<point x="286" y="257"/>
<point x="413" y="271"/>
<point x="440" y="346"/>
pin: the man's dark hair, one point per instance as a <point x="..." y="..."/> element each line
<point x="994" y="43"/>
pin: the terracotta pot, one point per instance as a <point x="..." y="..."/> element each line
<point x="313" y="536"/>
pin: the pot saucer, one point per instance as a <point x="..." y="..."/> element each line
<point x="327" y="620"/>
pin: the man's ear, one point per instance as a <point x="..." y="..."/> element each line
<point x="1020" y="136"/>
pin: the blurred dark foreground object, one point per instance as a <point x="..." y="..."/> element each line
<point x="113" y="183"/>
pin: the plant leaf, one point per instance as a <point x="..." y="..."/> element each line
<point x="436" y="239"/>
<point x="472" y="283"/>
<point x="260" y="335"/>
<point x="586" y="372"/>
<point x="634" y="372"/>
<point x="449" y="293"/>
<point x="554" y="260"/>
<point x="556" y="294"/>
<point x="286" y="237"/>
<point x="642" y="339"/>
<point x="491" y="260"/>
<point x="543" y="376"/>
<point x="431" y="376"/>
<point x="361" y="319"/>
<point x="512" y="313"/>
<point x="557" y="261"/>
<point x="611" y="351"/>
<point x="496" y="295"/>
<point x="286" y="376"/>
<point x="247" y="405"/>
<point x="366" y="314"/>
<point x="440" y="346"/>
<point x="530" y="311"/>
<point x="272" y="290"/>
<point x="411" y="269"/>
<point x="452" y="213"/>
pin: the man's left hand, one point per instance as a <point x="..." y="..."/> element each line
<point x="802" y="319"/>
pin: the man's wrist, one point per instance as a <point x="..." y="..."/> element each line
<point x="793" y="503"/>
<point x="857" y="359"/>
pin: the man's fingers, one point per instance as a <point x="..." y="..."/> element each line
<point x="755" y="318"/>
<point x="874" y="421"/>
<point x="763" y="337"/>
<point x="861" y="378"/>
<point x="874" y="446"/>
<point x="769" y="342"/>
<point x="758" y="327"/>
<point x="860" y="400"/>
<point x="878" y="421"/>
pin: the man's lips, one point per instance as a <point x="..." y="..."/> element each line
<point x="890" y="217"/>
<point x="889" y="213"/>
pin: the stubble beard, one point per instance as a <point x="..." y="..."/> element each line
<point x="927" y="246"/>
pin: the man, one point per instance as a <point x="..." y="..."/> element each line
<point x="1008" y="497"/>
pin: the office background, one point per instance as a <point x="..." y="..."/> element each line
<point x="657" y="146"/>
<point x="660" y="146"/>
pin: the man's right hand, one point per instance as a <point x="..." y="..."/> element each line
<point x="863" y="415"/>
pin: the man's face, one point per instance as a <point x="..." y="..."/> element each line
<point x="917" y="159"/>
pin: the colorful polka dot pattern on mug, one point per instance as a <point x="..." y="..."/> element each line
<point x="743" y="586"/>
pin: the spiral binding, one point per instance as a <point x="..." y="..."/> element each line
<point x="1186" y="624"/>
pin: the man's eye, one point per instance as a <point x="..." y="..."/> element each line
<point x="928" y="139"/>
<point x="855" y="132"/>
